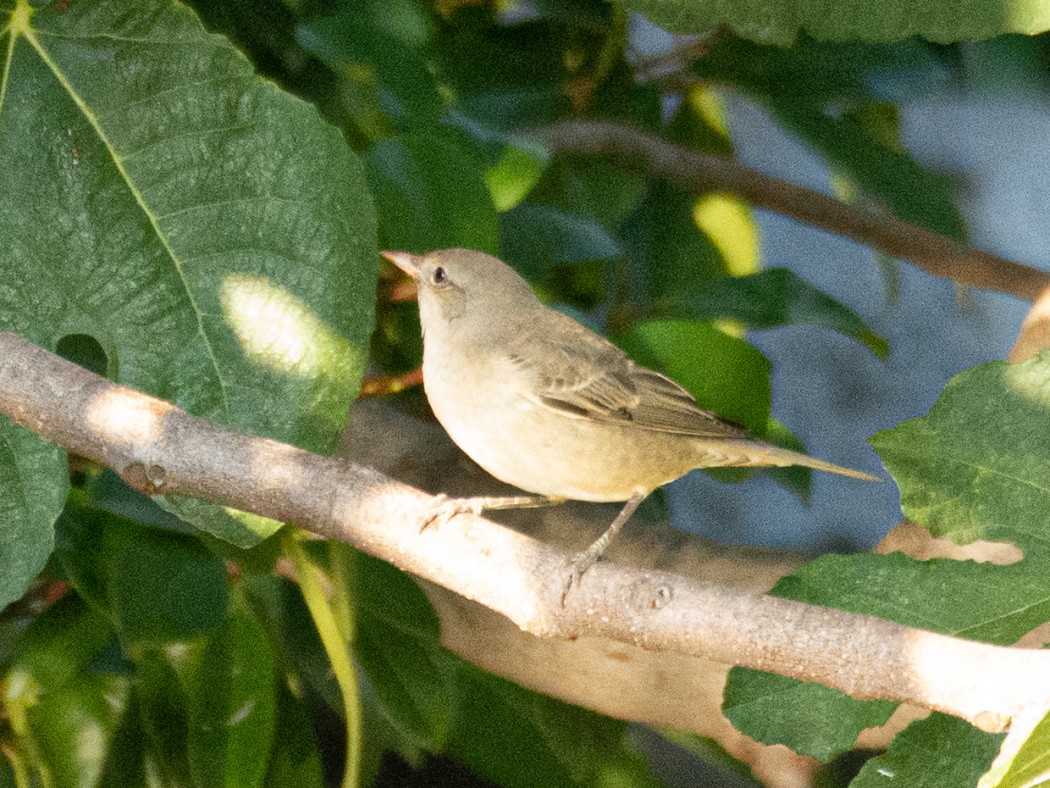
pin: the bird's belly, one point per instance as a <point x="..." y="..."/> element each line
<point x="544" y="452"/>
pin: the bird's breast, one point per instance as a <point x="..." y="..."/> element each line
<point x="486" y="408"/>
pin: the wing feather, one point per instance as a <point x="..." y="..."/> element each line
<point x="585" y="376"/>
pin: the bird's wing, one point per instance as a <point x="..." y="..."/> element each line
<point x="585" y="376"/>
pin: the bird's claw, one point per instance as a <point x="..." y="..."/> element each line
<point x="445" y="508"/>
<point x="576" y="567"/>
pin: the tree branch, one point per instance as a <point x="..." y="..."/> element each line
<point x="699" y="173"/>
<point x="160" y="449"/>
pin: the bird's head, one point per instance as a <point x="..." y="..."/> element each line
<point x="454" y="284"/>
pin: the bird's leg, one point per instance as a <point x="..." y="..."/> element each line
<point x="585" y="560"/>
<point x="446" y="508"/>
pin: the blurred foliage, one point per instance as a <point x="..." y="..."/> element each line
<point x="192" y="207"/>
<point x="780" y="21"/>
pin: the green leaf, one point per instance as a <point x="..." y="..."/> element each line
<point x="937" y="752"/>
<point x="1024" y="759"/>
<point x="162" y="708"/>
<point x="725" y="374"/>
<point x="996" y="604"/>
<point x="211" y="232"/>
<point x="34" y="482"/>
<point x="980" y="601"/>
<point x="710" y="751"/>
<point x="771" y="298"/>
<point x="515" y="173"/>
<point x="165" y="588"/>
<point x="978" y="465"/>
<point x="295" y="759"/>
<point x="430" y="191"/>
<point x="88" y="709"/>
<point x="781" y="20"/>
<point x="912" y="192"/>
<point x="108" y="492"/>
<point x="55" y="649"/>
<point x="500" y="726"/>
<point x="591" y="187"/>
<point x="400" y="653"/>
<point x="126" y="758"/>
<point x="386" y="40"/>
<point x="668" y="257"/>
<point x="700" y="123"/>
<point x="824" y="93"/>
<point x="241" y="529"/>
<point x="809" y="718"/>
<point x="504" y="76"/>
<point x="228" y="681"/>
<point x="52" y="699"/>
<point x="155" y="586"/>
<point x="536" y="237"/>
<point x="295" y="637"/>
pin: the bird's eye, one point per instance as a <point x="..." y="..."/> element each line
<point x="439" y="277"/>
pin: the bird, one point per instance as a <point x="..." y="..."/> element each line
<point x="547" y="405"/>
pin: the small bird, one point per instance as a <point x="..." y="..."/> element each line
<point x="547" y="405"/>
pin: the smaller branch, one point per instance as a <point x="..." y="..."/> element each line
<point x="699" y="173"/>
<point x="160" y="449"/>
<point x="687" y="49"/>
<point x="381" y="385"/>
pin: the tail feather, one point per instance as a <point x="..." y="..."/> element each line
<point x="796" y="458"/>
<point x="766" y="455"/>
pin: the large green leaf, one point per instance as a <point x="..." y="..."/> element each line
<point x="430" y="192"/>
<point x="380" y="43"/>
<point x="981" y="601"/>
<point x="500" y="726"/>
<point x="399" y="650"/>
<point x="535" y="237"/>
<point x="770" y="298"/>
<point x="976" y="467"/>
<point x="90" y="708"/>
<point x="938" y="752"/>
<point x="57" y="647"/>
<point x="208" y="705"/>
<point x="780" y="21"/>
<point x="211" y="232"/>
<point x="228" y="681"/>
<point x="1023" y="762"/>
<point x="33" y="486"/>
<point x="667" y="255"/>
<point x="155" y="587"/>
<point x="162" y="708"/>
<point x="295" y="759"/>
<point x="808" y="718"/>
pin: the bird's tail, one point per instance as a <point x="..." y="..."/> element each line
<point x="781" y="458"/>
<point x="821" y="465"/>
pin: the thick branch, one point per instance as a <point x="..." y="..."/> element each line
<point x="699" y="172"/>
<point x="160" y="449"/>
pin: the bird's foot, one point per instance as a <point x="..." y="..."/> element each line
<point x="445" y="508"/>
<point x="575" y="568"/>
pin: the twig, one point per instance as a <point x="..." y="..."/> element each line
<point x="703" y="172"/>
<point x="381" y="385"/>
<point x="687" y="49"/>
<point x="160" y="449"/>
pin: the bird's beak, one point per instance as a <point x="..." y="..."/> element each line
<point x="406" y="261"/>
